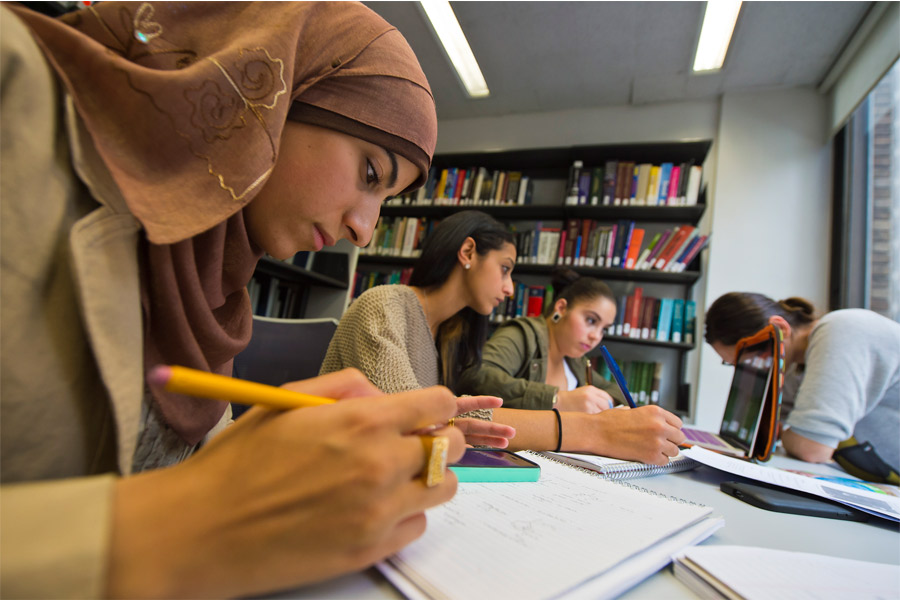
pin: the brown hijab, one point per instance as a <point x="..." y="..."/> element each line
<point x="185" y="103"/>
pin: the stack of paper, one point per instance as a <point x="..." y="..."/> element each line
<point x="743" y="572"/>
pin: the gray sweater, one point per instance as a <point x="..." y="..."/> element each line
<point x="851" y="383"/>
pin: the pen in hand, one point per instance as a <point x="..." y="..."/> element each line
<point x="589" y="373"/>
<point x="191" y="382"/>
<point x="617" y="375"/>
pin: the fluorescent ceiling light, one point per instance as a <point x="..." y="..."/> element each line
<point x="715" y="34"/>
<point x="455" y="45"/>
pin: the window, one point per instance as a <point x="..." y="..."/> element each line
<point x="866" y="220"/>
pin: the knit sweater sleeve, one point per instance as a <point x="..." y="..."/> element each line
<point x="376" y="335"/>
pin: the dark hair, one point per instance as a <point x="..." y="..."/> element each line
<point x="739" y="314"/>
<point x="461" y="337"/>
<point x="574" y="288"/>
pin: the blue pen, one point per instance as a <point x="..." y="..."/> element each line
<point x="617" y="374"/>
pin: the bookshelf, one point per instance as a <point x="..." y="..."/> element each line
<point x="548" y="173"/>
<point x="308" y="285"/>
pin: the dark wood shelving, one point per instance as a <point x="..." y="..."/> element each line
<point x="652" y="214"/>
<point x="647" y="342"/>
<point x="292" y="273"/>
<point x="685" y="277"/>
<point x="553" y="163"/>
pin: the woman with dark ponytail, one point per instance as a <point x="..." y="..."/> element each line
<point x="849" y="361"/>
<point x="425" y="334"/>
<point x="540" y="362"/>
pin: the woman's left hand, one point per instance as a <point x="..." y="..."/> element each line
<point x="479" y="432"/>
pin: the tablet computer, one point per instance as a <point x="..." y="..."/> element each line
<point x="789" y="501"/>
<point x="479" y="465"/>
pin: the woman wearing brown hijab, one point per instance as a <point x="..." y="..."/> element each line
<point x="151" y="153"/>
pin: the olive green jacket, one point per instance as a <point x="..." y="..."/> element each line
<point x="514" y="367"/>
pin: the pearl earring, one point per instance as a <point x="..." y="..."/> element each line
<point x="466" y="266"/>
<point x="556" y="317"/>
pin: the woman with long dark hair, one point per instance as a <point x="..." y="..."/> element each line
<point x="408" y="337"/>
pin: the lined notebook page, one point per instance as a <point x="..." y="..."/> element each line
<point x="537" y="539"/>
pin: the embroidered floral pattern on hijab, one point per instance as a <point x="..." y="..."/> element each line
<point x="185" y="103"/>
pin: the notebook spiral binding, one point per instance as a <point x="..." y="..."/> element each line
<point x="619" y="477"/>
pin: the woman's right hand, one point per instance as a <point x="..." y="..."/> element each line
<point x="647" y="434"/>
<point x="586" y="399"/>
<point x="281" y="499"/>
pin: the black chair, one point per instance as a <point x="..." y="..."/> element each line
<point x="283" y="350"/>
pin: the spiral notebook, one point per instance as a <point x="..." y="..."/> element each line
<point x="614" y="468"/>
<point x="571" y="534"/>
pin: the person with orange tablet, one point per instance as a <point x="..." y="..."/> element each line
<point x="847" y="403"/>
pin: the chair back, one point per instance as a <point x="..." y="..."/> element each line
<point x="283" y="350"/>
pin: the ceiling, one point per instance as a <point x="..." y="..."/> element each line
<point x="549" y="56"/>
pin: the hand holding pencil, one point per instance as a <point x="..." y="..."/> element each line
<point x="296" y="496"/>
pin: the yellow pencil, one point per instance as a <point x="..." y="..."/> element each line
<point x="192" y="382"/>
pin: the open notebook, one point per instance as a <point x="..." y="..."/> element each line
<point x="572" y="533"/>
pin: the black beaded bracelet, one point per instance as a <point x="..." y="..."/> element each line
<point x="559" y="427"/>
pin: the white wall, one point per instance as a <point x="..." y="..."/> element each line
<point x="770" y="218"/>
<point x="768" y="174"/>
<point x="613" y="125"/>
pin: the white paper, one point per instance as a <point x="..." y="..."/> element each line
<point x="871" y="502"/>
<point x="534" y="540"/>
<point x="766" y="574"/>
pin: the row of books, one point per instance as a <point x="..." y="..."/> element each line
<point x="399" y="236"/>
<point x="271" y="297"/>
<point x="364" y="280"/>
<point x="588" y="243"/>
<point x="526" y="301"/>
<point x="626" y="183"/>
<point x="649" y="318"/>
<point x="642" y="378"/>
<point x="470" y="186"/>
<point x="615" y="183"/>
<point x="637" y="316"/>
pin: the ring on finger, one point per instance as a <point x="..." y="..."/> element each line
<point x="436" y="447"/>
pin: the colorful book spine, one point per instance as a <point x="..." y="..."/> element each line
<point x="664" y="325"/>
<point x="634" y="246"/>
<point x="665" y="172"/>
<point x="646" y="251"/>
<point x="674" y="182"/>
<point x="650" y="261"/>
<point x="693" y="253"/>
<point x="690" y="321"/>
<point x="677" y="320"/>
<point x="535" y="301"/>
<point x="596" y="194"/>
<point x="609" y="182"/>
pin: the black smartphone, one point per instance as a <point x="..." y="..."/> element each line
<point x="788" y="501"/>
<point x="479" y="465"/>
